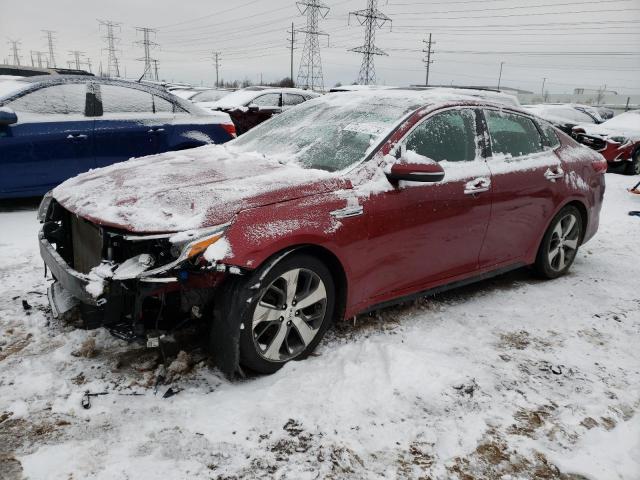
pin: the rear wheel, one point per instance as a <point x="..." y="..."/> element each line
<point x="633" y="167"/>
<point x="289" y="312"/>
<point x="560" y="243"/>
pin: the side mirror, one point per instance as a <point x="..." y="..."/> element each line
<point x="415" y="168"/>
<point x="7" y="116"/>
<point x="253" y="107"/>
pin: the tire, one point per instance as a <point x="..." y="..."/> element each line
<point x="279" y="324"/>
<point x="560" y="243"/>
<point x="633" y="167"/>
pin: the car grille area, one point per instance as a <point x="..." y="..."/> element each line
<point x="87" y="243"/>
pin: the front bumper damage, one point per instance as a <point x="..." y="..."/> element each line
<point x="140" y="304"/>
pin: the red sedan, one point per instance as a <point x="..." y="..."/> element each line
<point x="339" y="206"/>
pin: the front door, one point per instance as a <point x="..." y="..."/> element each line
<point x="421" y="234"/>
<point x="527" y="187"/>
<point x="52" y="141"/>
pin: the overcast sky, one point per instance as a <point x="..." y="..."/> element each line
<point x="573" y="43"/>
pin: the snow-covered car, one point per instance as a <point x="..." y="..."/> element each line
<point x="207" y="98"/>
<point x="565" y="116"/>
<point x="55" y="127"/>
<point x="342" y="205"/>
<point x="617" y="139"/>
<point x="253" y="105"/>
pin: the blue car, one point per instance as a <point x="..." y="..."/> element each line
<point x="55" y="127"/>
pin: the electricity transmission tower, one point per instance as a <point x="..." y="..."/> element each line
<point x="76" y="57"/>
<point x="113" y="68"/>
<point x="427" y="60"/>
<point x="147" y="44"/>
<point x="371" y="18"/>
<point x="52" y="58"/>
<point x="15" y="45"/>
<point x="310" y="71"/>
<point x="216" y="62"/>
<point x="40" y="56"/>
<point x="291" y="40"/>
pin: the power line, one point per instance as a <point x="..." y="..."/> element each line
<point x="310" y="71"/>
<point x="147" y="44"/>
<point x="113" y="68"/>
<point x="371" y="18"/>
<point x="52" y="58"/>
<point x="15" y="47"/>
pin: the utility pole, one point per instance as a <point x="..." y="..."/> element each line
<point x="113" y="69"/>
<point x="89" y="64"/>
<point x="292" y="40"/>
<point x="371" y="18"/>
<point x="543" y="82"/>
<point x="500" y="76"/>
<point x="147" y="44"/>
<point x="52" y="58"/>
<point x="310" y="71"/>
<point x="216" y="62"/>
<point x="76" y="56"/>
<point x="428" y="60"/>
<point x="15" y="45"/>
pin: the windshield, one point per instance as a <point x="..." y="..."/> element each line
<point x="9" y="87"/>
<point x="328" y="133"/>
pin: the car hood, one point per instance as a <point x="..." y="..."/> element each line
<point x="196" y="188"/>
<point x="606" y="132"/>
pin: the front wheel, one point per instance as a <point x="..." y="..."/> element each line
<point x="560" y="243"/>
<point x="290" y="309"/>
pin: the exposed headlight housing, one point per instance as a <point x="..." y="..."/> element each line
<point x="45" y="203"/>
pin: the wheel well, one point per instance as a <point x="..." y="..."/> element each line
<point x="583" y="214"/>
<point x="336" y="269"/>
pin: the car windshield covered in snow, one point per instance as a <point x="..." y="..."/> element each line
<point x="627" y="120"/>
<point x="329" y="133"/>
<point x="11" y="87"/>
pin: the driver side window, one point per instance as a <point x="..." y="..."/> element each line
<point x="447" y="136"/>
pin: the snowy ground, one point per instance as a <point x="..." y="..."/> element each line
<point x="512" y="378"/>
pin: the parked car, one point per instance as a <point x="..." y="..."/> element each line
<point x="207" y="98"/>
<point x="54" y="127"/>
<point x="565" y="116"/>
<point x="617" y="139"/>
<point x="339" y="206"/>
<point x="25" y="71"/>
<point x="253" y="105"/>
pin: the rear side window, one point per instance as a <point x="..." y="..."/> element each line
<point x="550" y="135"/>
<point x="268" y="100"/>
<point x="446" y="136"/>
<point x="57" y="99"/>
<point x="292" y="99"/>
<point x="512" y="134"/>
<point x="161" y="105"/>
<point x="116" y="99"/>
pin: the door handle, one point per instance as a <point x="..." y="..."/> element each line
<point x="155" y="130"/>
<point x="77" y="136"/>
<point x="477" y="185"/>
<point x="553" y="174"/>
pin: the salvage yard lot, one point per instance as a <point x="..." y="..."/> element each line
<point x="509" y="378"/>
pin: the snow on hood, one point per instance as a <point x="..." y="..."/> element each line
<point x="190" y="189"/>
<point x="626" y="124"/>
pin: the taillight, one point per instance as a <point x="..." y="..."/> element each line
<point x="230" y="128"/>
<point x="600" y="166"/>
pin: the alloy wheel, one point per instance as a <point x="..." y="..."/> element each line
<point x="564" y="242"/>
<point x="289" y="315"/>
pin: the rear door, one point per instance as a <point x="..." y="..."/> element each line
<point x="421" y="234"/>
<point x="128" y="126"/>
<point x="527" y="187"/>
<point x="52" y="141"/>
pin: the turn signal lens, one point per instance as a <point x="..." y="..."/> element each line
<point x="197" y="248"/>
<point x="230" y="128"/>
